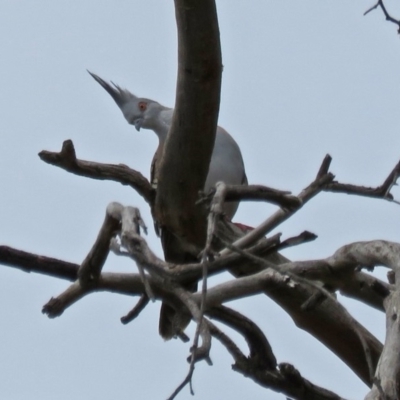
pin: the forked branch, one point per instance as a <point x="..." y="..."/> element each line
<point x="385" y="12"/>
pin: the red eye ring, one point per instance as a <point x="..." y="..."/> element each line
<point x="142" y="106"/>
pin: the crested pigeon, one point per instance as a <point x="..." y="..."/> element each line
<point x="226" y="161"/>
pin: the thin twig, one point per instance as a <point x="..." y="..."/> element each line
<point x="186" y="381"/>
<point x="387" y="15"/>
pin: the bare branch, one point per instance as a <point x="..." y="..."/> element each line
<point x="323" y="182"/>
<point x="283" y="214"/>
<point x="285" y="379"/>
<point x="216" y="213"/>
<point x="29" y="262"/>
<point x="253" y="193"/>
<point x="368" y="254"/>
<point x="304" y="237"/>
<point x="66" y="159"/>
<point x="342" y="273"/>
<point x="380" y="192"/>
<point x="193" y="271"/>
<point x="289" y="381"/>
<point x="226" y="341"/>
<point x="261" y="354"/>
<point x="56" y="306"/>
<point x="387" y="16"/>
<point x="203" y="330"/>
<point x="196" y="111"/>
<point x="324" y="167"/>
<point x="134" y="313"/>
<point x="92" y="265"/>
<point x="387" y="376"/>
<point x="328" y="322"/>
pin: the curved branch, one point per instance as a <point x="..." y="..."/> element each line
<point x="329" y="321"/>
<point x="66" y="159"/>
<point x="261" y="354"/>
<point x="284" y="379"/>
<point x="134" y="313"/>
<point x="287" y="380"/>
<point x="194" y="123"/>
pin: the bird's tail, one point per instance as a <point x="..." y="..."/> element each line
<point x="173" y="322"/>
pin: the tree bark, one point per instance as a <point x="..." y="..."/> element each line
<point x="184" y="166"/>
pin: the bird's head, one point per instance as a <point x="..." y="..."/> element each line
<point x="139" y="112"/>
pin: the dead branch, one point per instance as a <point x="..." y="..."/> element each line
<point x="283" y="214"/>
<point x="370" y="254"/>
<point x="326" y="322"/>
<point x="261" y="354"/>
<point x="380" y="192"/>
<point x="351" y="283"/>
<point x="346" y="278"/>
<point x="253" y="193"/>
<point x="197" y="97"/>
<point x="287" y="380"/>
<point x="387" y="16"/>
<point x="304" y="237"/>
<point x="387" y="374"/>
<point x="90" y="269"/>
<point x="66" y="159"/>
<point x="202" y="352"/>
<point x="322" y="182"/>
<point x="284" y="378"/>
<point x="56" y="306"/>
<point x="214" y="215"/>
<point x="196" y="111"/>
<point x="135" y="312"/>
<point x="329" y="322"/>
<point x="193" y="271"/>
<point x="219" y="195"/>
<point x="337" y="275"/>
<point x="203" y="330"/>
<point x="129" y="222"/>
<point x="29" y="262"/>
<point x="226" y="341"/>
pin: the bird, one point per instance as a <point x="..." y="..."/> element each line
<point x="226" y="163"/>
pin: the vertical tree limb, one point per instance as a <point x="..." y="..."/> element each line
<point x="187" y="154"/>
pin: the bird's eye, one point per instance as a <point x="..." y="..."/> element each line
<point x="142" y="106"/>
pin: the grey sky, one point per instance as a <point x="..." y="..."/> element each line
<point x="300" y="79"/>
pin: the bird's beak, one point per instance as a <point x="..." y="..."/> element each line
<point x="138" y="123"/>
